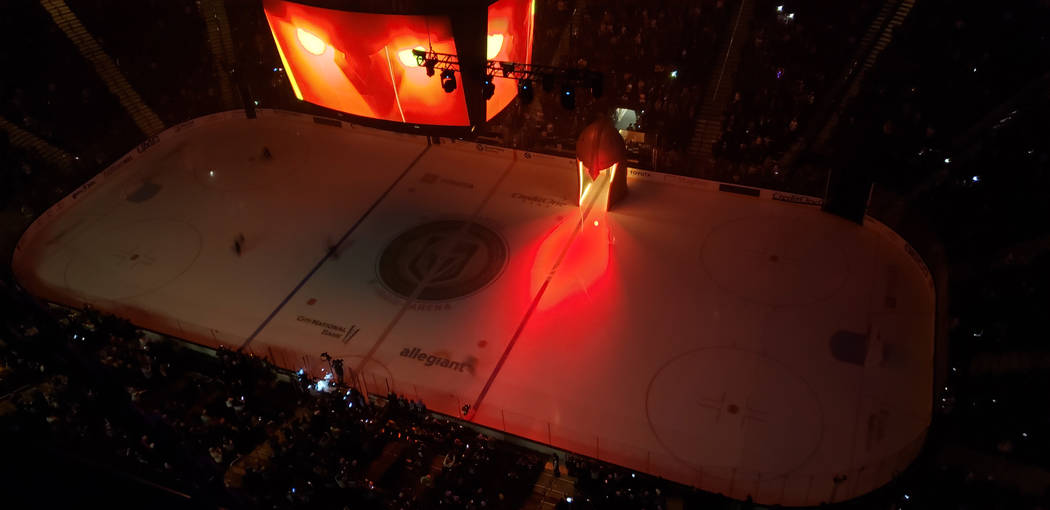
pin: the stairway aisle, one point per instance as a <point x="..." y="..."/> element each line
<point x="28" y="141"/>
<point x="886" y="32"/>
<point x="145" y="118"/>
<point x="217" y="25"/>
<point x="720" y="87"/>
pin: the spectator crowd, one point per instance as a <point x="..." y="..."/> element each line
<point x="231" y="430"/>
<point x="793" y="53"/>
<point x="655" y="58"/>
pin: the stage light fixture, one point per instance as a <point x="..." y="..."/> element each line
<point x="525" y="92"/>
<point x="488" y="87"/>
<point x="508" y="68"/>
<point x="430" y="64"/>
<point x="568" y="97"/>
<point x="448" y="80"/>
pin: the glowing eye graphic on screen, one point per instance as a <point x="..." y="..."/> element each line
<point x="494" y="45"/>
<point x="311" y="42"/>
<point x="407" y="58"/>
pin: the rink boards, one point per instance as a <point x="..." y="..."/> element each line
<point x="733" y="339"/>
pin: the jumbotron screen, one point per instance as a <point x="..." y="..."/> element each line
<point x="509" y="40"/>
<point x="362" y="63"/>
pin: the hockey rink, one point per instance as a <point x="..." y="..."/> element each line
<point x="736" y="340"/>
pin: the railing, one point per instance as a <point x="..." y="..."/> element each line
<point x="803" y="488"/>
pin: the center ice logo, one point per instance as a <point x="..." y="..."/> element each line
<point x="442" y="260"/>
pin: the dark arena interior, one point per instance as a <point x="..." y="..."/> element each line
<point x="524" y="254"/>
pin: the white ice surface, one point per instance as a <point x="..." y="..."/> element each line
<point x="686" y="335"/>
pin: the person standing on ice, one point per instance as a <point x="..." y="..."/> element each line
<point x="238" y="244"/>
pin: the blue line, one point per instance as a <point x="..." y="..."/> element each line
<point x="328" y="253"/>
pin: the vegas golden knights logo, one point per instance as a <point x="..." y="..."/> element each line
<point x="449" y="259"/>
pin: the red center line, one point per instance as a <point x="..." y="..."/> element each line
<point x="411" y="300"/>
<point x="328" y="253"/>
<point x="528" y="313"/>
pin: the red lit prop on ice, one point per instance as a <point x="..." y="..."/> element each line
<point x="362" y="63"/>
<point x="600" y="147"/>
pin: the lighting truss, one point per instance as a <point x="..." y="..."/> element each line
<point x="573" y="77"/>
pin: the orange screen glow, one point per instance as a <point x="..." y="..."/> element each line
<point x="362" y="64"/>
<point x="509" y="40"/>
